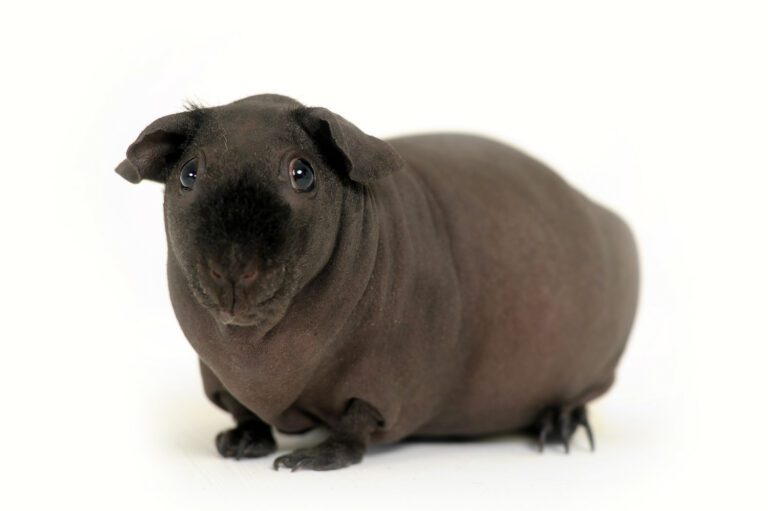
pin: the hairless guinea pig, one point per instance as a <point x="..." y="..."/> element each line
<point x="432" y="285"/>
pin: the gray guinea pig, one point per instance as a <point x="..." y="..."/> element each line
<point x="434" y="285"/>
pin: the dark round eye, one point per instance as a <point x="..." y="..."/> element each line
<point x="302" y="175"/>
<point x="188" y="174"/>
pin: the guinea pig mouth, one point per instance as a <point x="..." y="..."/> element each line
<point x="228" y="318"/>
<point x="248" y="318"/>
<point x="250" y="305"/>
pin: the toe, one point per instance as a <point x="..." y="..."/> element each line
<point x="225" y="441"/>
<point x="242" y="445"/>
<point x="546" y="428"/>
<point x="286" y="461"/>
<point x="581" y="419"/>
<point x="564" y="421"/>
<point x="239" y="443"/>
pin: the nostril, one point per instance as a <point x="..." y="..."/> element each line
<point x="216" y="275"/>
<point x="247" y="277"/>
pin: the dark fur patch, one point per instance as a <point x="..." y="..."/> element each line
<point x="243" y="214"/>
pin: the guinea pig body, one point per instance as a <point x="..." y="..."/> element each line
<point x="548" y="282"/>
<point x="438" y="285"/>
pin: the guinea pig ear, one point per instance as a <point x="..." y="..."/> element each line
<point x="157" y="146"/>
<point x="363" y="157"/>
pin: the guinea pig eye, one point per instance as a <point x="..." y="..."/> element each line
<point x="188" y="174"/>
<point x="302" y="175"/>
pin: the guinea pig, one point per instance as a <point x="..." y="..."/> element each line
<point x="438" y="285"/>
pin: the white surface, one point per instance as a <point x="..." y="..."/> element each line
<point x="658" y="110"/>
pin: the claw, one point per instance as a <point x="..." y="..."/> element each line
<point x="559" y="424"/>
<point x="565" y="430"/>
<point x="241" y="445"/>
<point x="546" y="429"/>
<point x="581" y="419"/>
<point x="298" y="465"/>
<point x="282" y="460"/>
<point x="287" y="461"/>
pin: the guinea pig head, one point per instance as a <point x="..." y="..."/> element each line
<point x="254" y="194"/>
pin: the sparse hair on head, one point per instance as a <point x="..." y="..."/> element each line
<point x="198" y="110"/>
<point x="190" y="105"/>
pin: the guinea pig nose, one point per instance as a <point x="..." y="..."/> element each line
<point x="249" y="277"/>
<point x="216" y="271"/>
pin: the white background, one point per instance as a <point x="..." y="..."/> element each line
<point x="657" y="109"/>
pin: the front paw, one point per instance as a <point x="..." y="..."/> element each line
<point x="247" y="440"/>
<point x="329" y="455"/>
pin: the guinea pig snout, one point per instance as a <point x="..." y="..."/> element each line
<point x="232" y="287"/>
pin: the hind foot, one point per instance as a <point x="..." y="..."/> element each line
<point x="558" y="424"/>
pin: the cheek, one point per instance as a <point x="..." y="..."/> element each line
<point x="177" y="234"/>
<point x="320" y="233"/>
<point x="302" y="227"/>
<point x="309" y="244"/>
<point x="301" y="204"/>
